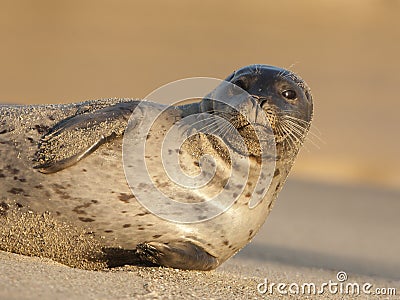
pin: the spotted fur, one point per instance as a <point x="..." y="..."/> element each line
<point x="67" y="160"/>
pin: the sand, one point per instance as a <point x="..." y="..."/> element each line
<point x="33" y="278"/>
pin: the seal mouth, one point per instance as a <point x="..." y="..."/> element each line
<point x="257" y="131"/>
<point x="288" y="131"/>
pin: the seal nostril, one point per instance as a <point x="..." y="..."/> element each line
<point x="260" y="100"/>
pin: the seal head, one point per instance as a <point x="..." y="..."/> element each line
<point x="285" y="99"/>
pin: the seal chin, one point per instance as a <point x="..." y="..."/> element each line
<point x="257" y="140"/>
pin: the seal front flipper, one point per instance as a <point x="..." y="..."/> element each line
<point x="74" y="138"/>
<point x="177" y="254"/>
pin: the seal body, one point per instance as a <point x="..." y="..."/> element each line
<point x="67" y="160"/>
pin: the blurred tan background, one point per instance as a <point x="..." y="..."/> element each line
<point x="347" y="51"/>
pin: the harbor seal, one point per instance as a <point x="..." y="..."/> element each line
<point x="67" y="161"/>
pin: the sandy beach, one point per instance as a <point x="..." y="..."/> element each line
<point x="339" y="209"/>
<point x="34" y="278"/>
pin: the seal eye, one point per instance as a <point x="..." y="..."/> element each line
<point x="289" y="94"/>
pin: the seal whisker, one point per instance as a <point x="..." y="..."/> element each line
<point x="308" y="138"/>
<point x="228" y="131"/>
<point x="296" y="142"/>
<point x="295" y="119"/>
<point x="295" y="130"/>
<point x="213" y="127"/>
<point x="291" y="67"/>
<point x="302" y="126"/>
<point x="226" y="128"/>
<point x="280" y="133"/>
<point x="219" y="128"/>
<point x="205" y="120"/>
<point x="301" y="135"/>
<point x="295" y="125"/>
<point x="298" y="129"/>
<point x="310" y="135"/>
<point x="285" y="137"/>
<point x="311" y="140"/>
<point x="281" y="73"/>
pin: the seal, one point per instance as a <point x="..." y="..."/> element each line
<point x="67" y="161"/>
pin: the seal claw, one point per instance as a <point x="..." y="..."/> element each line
<point x="178" y="254"/>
